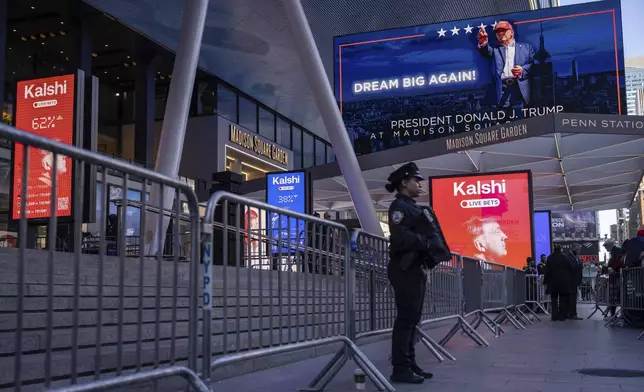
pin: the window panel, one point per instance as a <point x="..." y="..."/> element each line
<point x="247" y="114"/>
<point x="226" y="103"/>
<point x="330" y="156"/>
<point x="283" y="133"/>
<point x="266" y="124"/>
<point x="307" y="150"/>
<point x="320" y="152"/>
<point x="297" y="148"/>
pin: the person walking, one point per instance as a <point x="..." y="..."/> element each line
<point x="558" y="281"/>
<point x="417" y="244"/>
<point x="577" y="278"/>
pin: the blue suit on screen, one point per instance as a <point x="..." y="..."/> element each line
<point x="523" y="56"/>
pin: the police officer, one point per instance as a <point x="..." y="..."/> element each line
<point x="417" y="244"/>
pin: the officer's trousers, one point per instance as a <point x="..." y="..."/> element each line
<point x="409" y="292"/>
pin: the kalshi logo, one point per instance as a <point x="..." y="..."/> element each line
<point x="479" y="188"/>
<point x="45" y="90"/>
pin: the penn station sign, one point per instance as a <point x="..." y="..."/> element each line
<point x="258" y="145"/>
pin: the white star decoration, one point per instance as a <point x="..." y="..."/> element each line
<point x="468" y="29"/>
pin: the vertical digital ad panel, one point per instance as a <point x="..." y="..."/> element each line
<point x="542" y="235"/>
<point x="44" y="107"/>
<point x="486" y="216"/>
<point x="289" y="191"/>
<point x="409" y="85"/>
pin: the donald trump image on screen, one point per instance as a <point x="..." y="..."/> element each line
<point x="511" y="65"/>
<point x="488" y="238"/>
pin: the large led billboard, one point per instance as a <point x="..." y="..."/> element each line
<point x="289" y="191"/>
<point x="408" y="85"/>
<point x="44" y="107"/>
<point x="571" y="226"/>
<point x="486" y="216"/>
<point x="542" y="234"/>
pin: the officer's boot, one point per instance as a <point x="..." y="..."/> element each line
<point x="420" y="372"/>
<point x="405" y="375"/>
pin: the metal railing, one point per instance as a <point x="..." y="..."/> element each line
<point x="85" y="321"/>
<point x="71" y="317"/>
<point x="265" y="312"/>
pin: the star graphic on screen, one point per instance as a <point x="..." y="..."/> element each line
<point x="482" y="26"/>
<point x="441" y="32"/>
<point x="468" y="29"/>
<point x="455" y="30"/>
<point x="494" y="25"/>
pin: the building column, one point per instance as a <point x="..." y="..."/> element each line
<point x="3" y="50"/>
<point x="144" y="104"/>
<point x="345" y="155"/>
<point x="176" y="115"/>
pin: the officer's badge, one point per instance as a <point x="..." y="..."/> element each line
<point x="428" y="216"/>
<point x="397" y="217"/>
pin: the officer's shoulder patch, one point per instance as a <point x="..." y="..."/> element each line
<point x="397" y="217"/>
<point x="428" y="215"/>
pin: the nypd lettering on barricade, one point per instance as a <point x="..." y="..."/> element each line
<point x="45" y="90"/>
<point x="479" y="188"/>
<point x="206" y="255"/>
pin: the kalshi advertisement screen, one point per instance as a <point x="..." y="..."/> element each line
<point x="44" y="107"/>
<point x="486" y="217"/>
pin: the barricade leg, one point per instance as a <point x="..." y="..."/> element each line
<point x="534" y="314"/>
<point x="505" y="315"/>
<point x="595" y="309"/>
<point x="322" y="379"/>
<point x="641" y="336"/>
<point x="522" y="316"/>
<point x="463" y="325"/>
<point x="482" y="317"/>
<point x="434" y="346"/>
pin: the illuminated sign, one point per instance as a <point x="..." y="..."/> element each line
<point x="44" y="107"/>
<point x="542" y="235"/>
<point x="258" y="145"/>
<point x="408" y="85"/>
<point x="288" y="191"/>
<point x="570" y="226"/>
<point x="486" y="216"/>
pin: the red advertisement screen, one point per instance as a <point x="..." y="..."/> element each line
<point x="44" y="107"/>
<point x="486" y="217"/>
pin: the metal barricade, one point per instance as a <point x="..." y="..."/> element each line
<point x="376" y="308"/>
<point x="76" y="316"/>
<point x="302" y="298"/>
<point x="498" y="294"/>
<point x="607" y="295"/>
<point x="631" y="296"/>
<point x="536" y="297"/>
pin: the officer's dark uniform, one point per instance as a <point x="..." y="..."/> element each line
<point x="416" y="245"/>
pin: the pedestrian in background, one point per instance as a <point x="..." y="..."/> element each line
<point x="577" y="277"/>
<point x="417" y="244"/>
<point x="558" y="281"/>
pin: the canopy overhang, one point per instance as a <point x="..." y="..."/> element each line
<point x="578" y="162"/>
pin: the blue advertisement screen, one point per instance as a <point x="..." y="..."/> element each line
<point x="287" y="191"/>
<point x="542" y="235"/>
<point x="409" y="85"/>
